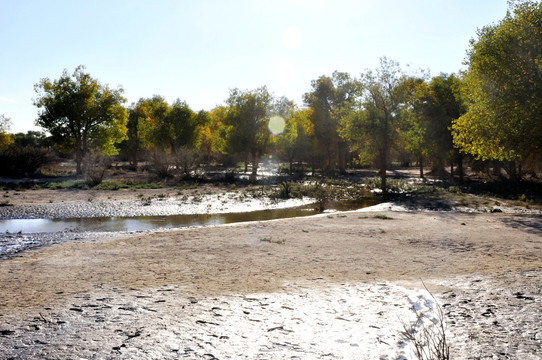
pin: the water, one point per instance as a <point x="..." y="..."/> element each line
<point x="140" y="223"/>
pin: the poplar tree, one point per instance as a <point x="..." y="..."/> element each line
<point x="81" y="114"/>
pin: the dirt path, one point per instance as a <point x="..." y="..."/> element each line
<point x="126" y="297"/>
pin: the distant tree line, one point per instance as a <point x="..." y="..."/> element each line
<point x="490" y="112"/>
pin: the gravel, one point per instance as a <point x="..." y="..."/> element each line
<point x="207" y="204"/>
<point x="13" y="243"/>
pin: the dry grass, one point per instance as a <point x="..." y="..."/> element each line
<point x="427" y="334"/>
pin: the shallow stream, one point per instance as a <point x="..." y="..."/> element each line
<point x="141" y="223"/>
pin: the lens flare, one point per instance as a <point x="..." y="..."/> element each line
<point x="276" y="125"/>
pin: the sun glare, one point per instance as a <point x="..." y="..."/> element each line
<point x="291" y="37"/>
<point x="276" y="125"/>
<point x="284" y="73"/>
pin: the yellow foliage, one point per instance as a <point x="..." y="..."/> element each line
<point x="5" y="137"/>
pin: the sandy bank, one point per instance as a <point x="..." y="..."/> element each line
<point x="131" y="297"/>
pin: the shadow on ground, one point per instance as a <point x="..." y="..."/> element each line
<point x="531" y="224"/>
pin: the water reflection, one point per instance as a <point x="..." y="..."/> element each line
<point x="141" y="223"/>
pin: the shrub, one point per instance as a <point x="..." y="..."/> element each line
<point x="383" y="217"/>
<point x="323" y="194"/>
<point x="162" y="163"/>
<point x="284" y="191"/>
<point x="270" y="240"/>
<point x="20" y="161"/>
<point x="110" y="185"/>
<point x="96" y="163"/>
<point x="69" y="184"/>
<point x="186" y="160"/>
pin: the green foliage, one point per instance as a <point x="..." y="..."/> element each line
<point x="416" y="115"/>
<point x="494" y="109"/>
<point x="427" y="116"/>
<point x="332" y="99"/>
<point x="246" y="123"/>
<point x="323" y="194"/>
<point x="70" y="184"/>
<point x="504" y="87"/>
<point x="144" y="185"/>
<point x="295" y="143"/>
<point x="374" y="129"/>
<point x="81" y="114"/>
<point x="31" y="138"/>
<point x="284" y="192"/>
<point x="178" y="128"/>
<point x="212" y="133"/>
<point x="104" y="185"/>
<point x="143" y="118"/>
<point x="395" y="186"/>
<point x="290" y="190"/>
<point x="155" y="126"/>
<point x="111" y="185"/>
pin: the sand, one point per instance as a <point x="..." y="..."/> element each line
<point x="332" y="286"/>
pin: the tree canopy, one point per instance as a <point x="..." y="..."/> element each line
<point x="247" y="120"/>
<point x="81" y="114"/>
<point x="491" y="111"/>
<point x="373" y="129"/>
<point x="331" y="99"/>
<point x="428" y="112"/>
<point x="503" y="85"/>
<point x="295" y="142"/>
<point x="5" y="136"/>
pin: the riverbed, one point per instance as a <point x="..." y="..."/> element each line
<point x="339" y="285"/>
<point x="28" y="226"/>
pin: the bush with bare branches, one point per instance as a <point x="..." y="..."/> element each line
<point x="427" y="333"/>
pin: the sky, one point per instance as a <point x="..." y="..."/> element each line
<point x="198" y="50"/>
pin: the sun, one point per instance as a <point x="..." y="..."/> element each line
<point x="291" y="37"/>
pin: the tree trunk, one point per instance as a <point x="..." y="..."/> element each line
<point x="513" y="171"/>
<point x="134" y="152"/>
<point x="79" y="161"/>
<point x="383" y="180"/>
<point x="135" y="161"/>
<point x="497" y="166"/>
<point x="420" y="162"/>
<point x="255" y="161"/>
<point x="342" y="157"/>
<point x="460" y="166"/>
<point x="439" y="167"/>
<point x="383" y="167"/>
<point x="78" y="155"/>
<point x="85" y="154"/>
<point x="330" y="160"/>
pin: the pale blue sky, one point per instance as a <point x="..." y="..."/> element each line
<point x="197" y="50"/>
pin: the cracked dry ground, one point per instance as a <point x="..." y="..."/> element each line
<point x="330" y="287"/>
